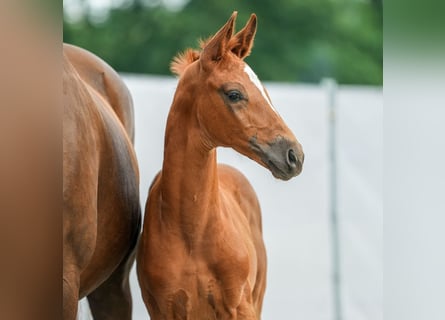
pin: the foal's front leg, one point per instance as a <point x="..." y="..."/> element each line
<point x="246" y="309"/>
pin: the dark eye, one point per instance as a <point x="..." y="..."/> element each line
<point x="234" y="95"/>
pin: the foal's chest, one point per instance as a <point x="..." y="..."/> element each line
<point x="204" y="292"/>
<point x="205" y="283"/>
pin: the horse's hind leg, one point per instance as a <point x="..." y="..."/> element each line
<point x="70" y="294"/>
<point x="112" y="299"/>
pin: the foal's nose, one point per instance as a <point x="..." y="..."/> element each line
<point x="292" y="160"/>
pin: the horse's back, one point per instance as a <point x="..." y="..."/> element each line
<point x="102" y="78"/>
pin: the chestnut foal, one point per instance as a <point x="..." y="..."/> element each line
<point x="201" y="254"/>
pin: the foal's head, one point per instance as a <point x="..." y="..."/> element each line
<point x="232" y="107"/>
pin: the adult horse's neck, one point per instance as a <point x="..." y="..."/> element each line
<point x="189" y="185"/>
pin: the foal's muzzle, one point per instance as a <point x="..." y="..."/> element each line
<point x="283" y="157"/>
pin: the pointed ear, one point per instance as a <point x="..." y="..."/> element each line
<point x="241" y="44"/>
<point x="218" y="44"/>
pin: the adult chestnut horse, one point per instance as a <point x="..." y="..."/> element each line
<point x="201" y="254"/>
<point x="101" y="218"/>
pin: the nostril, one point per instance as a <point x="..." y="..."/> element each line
<point x="292" y="159"/>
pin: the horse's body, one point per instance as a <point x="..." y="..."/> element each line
<point x="201" y="254"/>
<point x="101" y="218"/>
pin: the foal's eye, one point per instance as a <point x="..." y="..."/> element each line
<point x="234" y="95"/>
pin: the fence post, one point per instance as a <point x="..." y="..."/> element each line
<point x="330" y="87"/>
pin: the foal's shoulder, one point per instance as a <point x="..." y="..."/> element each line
<point x="232" y="176"/>
<point x="233" y="182"/>
<point x="224" y="170"/>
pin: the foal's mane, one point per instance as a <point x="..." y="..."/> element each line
<point x="183" y="59"/>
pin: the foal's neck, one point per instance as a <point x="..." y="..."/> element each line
<point x="189" y="185"/>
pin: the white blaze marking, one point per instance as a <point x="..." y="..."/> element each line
<point x="253" y="77"/>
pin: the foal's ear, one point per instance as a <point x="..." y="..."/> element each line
<point x="241" y="44"/>
<point x="218" y="44"/>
